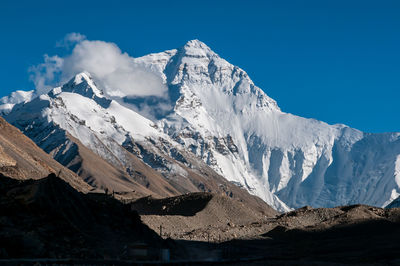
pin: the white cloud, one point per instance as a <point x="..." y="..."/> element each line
<point x="70" y="39"/>
<point x="115" y="72"/>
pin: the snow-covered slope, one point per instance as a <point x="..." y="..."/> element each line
<point x="219" y="116"/>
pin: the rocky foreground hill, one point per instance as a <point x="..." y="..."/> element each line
<point x="47" y="218"/>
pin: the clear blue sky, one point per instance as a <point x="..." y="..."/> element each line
<point x="336" y="61"/>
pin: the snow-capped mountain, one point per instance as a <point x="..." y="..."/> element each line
<point x="221" y="119"/>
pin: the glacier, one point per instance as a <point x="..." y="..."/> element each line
<point x="219" y="116"/>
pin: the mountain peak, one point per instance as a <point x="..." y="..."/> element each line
<point x="197" y="49"/>
<point x="82" y="77"/>
<point x="82" y="83"/>
<point x="197" y="44"/>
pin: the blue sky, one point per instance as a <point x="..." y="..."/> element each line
<point x="336" y="61"/>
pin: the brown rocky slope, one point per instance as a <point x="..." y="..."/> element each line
<point x="21" y="158"/>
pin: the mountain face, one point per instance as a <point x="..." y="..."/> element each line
<point x="114" y="148"/>
<point x="219" y="124"/>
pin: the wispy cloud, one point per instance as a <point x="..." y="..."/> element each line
<point x="44" y="75"/>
